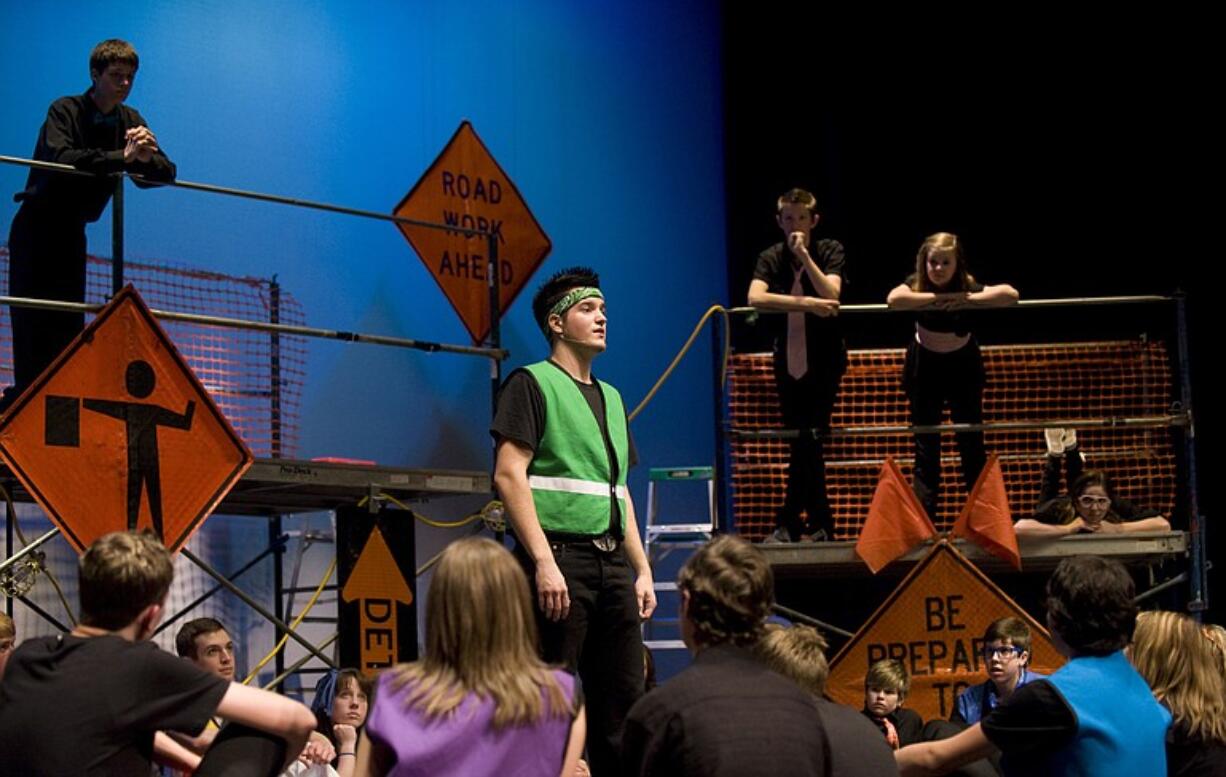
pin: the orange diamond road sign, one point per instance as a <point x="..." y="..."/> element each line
<point x="466" y="188"/>
<point x="934" y="623"/>
<point x="119" y="434"/>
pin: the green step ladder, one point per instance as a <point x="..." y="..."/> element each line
<point x="663" y="538"/>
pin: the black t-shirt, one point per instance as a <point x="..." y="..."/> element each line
<point x="1035" y="722"/>
<point x="521" y="417"/>
<point x="907" y="724"/>
<point x="726" y="715"/>
<point x="777" y="267"/>
<point x="858" y="749"/>
<point x="90" y="706"/>
<point x="955" y="321"/>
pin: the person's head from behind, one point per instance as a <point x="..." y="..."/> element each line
<point x="1216" y="635"/>
<point x="8" y="639"/>
<point x="727" y="590"/>
<point x="123" y="581"/>
<point x="481" y="638"/>
<point x="569" y="308"/>
<point x="1006" y="650"/>
<point x="1182" y="669"/>
<point x="1089" y="606"/>
<point x="206" y="643"/>
<point x="112" y="68"/>
<point x="940" y="264"/>
<point x="885" y="687"/>
<point x="796" y="212"/>
<point x="798" y="653"/>
<point x="1092" y="496"/>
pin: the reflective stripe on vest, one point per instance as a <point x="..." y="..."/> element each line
<point x="573" y="486"/>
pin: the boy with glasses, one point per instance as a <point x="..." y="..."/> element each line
<point x="1006" y="654"/>
<point x="1093" y="716"/>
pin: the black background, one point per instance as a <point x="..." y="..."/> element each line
<point x="1074" y="156"/>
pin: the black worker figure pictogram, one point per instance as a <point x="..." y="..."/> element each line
<point x="142" y="422"/>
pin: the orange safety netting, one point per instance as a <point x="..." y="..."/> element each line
<point x="1025" y="383"/>
<point x="235" y="365"/>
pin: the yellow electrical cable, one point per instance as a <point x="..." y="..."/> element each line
<point x="433" y="560"/>
<point x="723" y="373"/>
<point x="293" y="626"/>
<point x="427" y="521"/>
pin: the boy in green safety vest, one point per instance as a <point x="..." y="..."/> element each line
<point x="564" y="448"/>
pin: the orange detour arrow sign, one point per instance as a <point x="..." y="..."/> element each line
<point x="118" y="433"/>
<point x="377" y="585"/>
<point x="466" y="188"/>
<point x="934" y="623"/>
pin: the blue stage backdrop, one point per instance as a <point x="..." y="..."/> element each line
<point x="606" y="115"/>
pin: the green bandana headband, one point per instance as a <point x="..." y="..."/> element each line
<point x="572" y="298"/>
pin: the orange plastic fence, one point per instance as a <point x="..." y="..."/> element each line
<point x="1025" y="383"/>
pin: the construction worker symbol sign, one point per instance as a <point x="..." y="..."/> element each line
<point x="119" y="434"/>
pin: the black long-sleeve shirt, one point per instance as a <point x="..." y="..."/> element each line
<point x="77" y="133"/>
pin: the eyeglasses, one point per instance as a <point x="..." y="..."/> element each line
<point x="1004" y="651"/>
<point x="1094" y="501"/>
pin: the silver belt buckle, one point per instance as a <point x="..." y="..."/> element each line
<point x="606" y="542"/>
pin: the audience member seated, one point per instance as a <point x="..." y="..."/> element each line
<point x="885" y="689"/>
<point x="1006" y="656"/>
<point x="1185" y="674"/>
<point x="207" y="644"/>
<point x="1094" y="716"/>
<point x="727" y="714"/>
<point x="856" y="748"/>
<point x="480" y="702"/>
<point x="1090" y="505"/>
<point x="342" y="699"/>
<point x="93" y="701"/>
<point x="8" y="640"/>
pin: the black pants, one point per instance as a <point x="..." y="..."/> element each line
<point x="943" y="729"/>
<point x="242" y="751"/>
<point x="1049" y="486"/>
<point x="807" y="404"/>
<point x="47" y="261"/>
<point x="931" y="381"/>
<point x="599" y="640"/>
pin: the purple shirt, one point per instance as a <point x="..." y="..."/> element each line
<point x="464" y="742"/>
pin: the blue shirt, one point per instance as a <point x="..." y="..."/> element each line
<point x="1094" y="717"/>
<point x="978" y="700"/>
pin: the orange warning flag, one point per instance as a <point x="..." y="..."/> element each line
<point x="986" y="519"/>
<point x="896" y="520"/>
